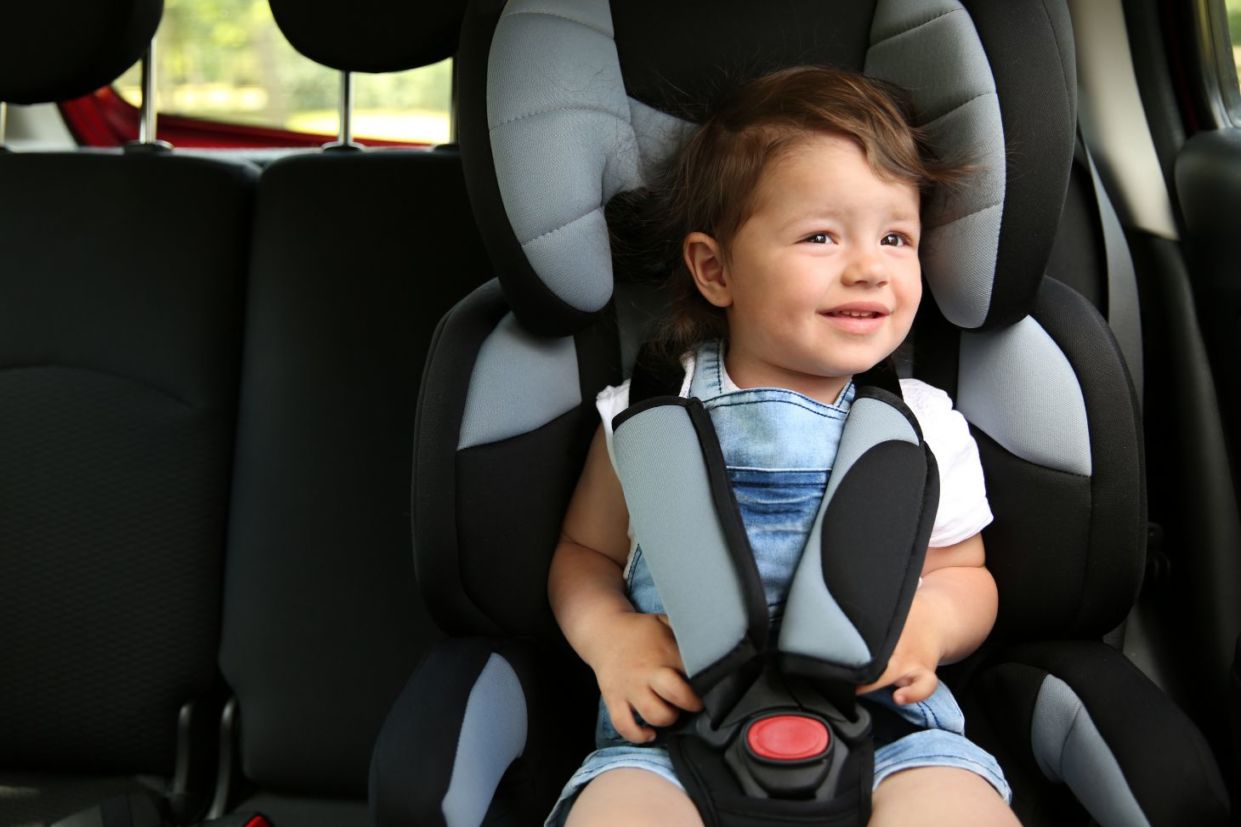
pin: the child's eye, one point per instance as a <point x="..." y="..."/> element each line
<point x="896" y="240"/>
<point x="818" y="238"/>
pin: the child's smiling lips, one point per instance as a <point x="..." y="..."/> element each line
<point x="856" y="317"/>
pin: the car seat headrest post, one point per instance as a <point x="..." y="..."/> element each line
<point x="344" y="134"/>
<point x="146" y="126"/>
<point x="147" y="140"/>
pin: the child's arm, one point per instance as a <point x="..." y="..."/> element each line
<point x="952" y="613"/>
<point x="634" y="656"/>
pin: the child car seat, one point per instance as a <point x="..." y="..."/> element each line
<point x="565" y="104"/>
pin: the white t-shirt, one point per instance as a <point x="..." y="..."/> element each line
<point x="963" y="507"/>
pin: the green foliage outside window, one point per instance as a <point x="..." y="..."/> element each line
<point x="1234" y="31"/>
<point x="226" y="60"/>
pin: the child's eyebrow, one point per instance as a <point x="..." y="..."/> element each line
<point x="899" y="215"/>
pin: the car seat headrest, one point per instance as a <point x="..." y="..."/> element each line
<point x="370" y="35"/>
<point x="565" y="103"/>
<point x="59" y="51"/>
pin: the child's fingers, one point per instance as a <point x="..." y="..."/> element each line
<point x="673" y="688"/>
<point x="624" y="723"/>
<point x="889" y="677"/>
<point x="655" y="710"/>
<point x="921" y="685"/>
<point x="678" y="664"/>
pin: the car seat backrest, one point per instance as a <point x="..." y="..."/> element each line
<point x="356" y="256"/>
<point x="564" y="105"/>
<point x="121" y="288"/>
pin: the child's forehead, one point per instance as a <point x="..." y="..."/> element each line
<point x="832" y="162"/>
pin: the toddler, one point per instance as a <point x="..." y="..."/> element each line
<point x="797" y="211"/>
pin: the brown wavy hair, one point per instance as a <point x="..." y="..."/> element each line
<point x="709" y="185"/>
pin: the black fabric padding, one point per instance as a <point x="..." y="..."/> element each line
<point x="1114" y="567"/>
<point x="1030" y="48"/>
<point x="1168" y="764"/>
<point x="370" y="35"/>
<point x="1037" y="544"/>
<point x="323" y="621"/>
<point x="999" y="707"/>
<point x="58" y="51"/>
<point x="1006" y="694"/>
<point x="120" y="329"/>
<point x="511" y="499"/>
<point x="1077" y="256"/>
<point x="479" y="574"/>
<point x="531" y="301"/>
<point x="1068" y="551"/>
<point x="437" y="429"/>
<point x="681" y="57"/>
<point x="419" y="738"/>
<point x="874" y="538"/>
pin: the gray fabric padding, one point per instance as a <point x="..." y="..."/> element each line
<point x="561" y="139"/>
<point x="1019" y="388"/>
<point x="1069" y="750"/>
<point x="814" y="624"/>
<point x="660" y="464"/>
<point x="520" y="382"/>
<point x="493" y="735"/>
<point x="931" y="49"/>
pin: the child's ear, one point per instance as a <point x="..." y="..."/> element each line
<point x="705" y="261"/>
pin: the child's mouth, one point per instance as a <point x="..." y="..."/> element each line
<point x="853" y="314"/>
<point x="859" y="320"/>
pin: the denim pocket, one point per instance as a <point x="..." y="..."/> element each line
<point x="778" y="509"/>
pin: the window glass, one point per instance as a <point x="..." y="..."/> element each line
<point x="1234" y="31"/>
<point x="225" y="60"/>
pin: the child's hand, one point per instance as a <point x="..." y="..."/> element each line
<point x="911" y="669"/>
<point x="640" y="668"/>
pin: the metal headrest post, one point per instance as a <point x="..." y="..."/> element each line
<point x="344" y="137"/>
<point x="147" y="142"/>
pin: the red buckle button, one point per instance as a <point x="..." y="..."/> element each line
<point x="787" y="738"/>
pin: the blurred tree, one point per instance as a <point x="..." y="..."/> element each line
<point x="227" y="60"/>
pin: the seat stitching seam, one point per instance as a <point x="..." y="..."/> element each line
<point x="568" y="223"/>
<point x="576" y="108"/>
<point x="965" y="102"/>
<point x="915" y="27"/>
<point x="990" y="206"/>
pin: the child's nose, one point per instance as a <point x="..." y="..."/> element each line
<point x="865" y="268"/>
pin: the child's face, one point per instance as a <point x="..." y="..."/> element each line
<point x="823" y="280"/>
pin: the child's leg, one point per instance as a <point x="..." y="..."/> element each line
<point x="633" y="798"/>
<point x="938" y="796"/>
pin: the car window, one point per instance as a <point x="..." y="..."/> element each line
<point x="1232" y="95"/>
<point x="226" y="60"/>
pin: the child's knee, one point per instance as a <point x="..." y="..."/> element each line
<point x="632" y="797"/>
<point x="939" y="796"/>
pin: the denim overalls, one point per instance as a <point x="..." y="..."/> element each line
<point x="779" y="447"/>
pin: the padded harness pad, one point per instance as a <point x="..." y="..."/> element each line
<point x="852" y="589"/>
